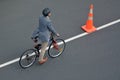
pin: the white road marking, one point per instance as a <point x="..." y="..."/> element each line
<point x="67" y="40"/>
<point x="99" y="28"/>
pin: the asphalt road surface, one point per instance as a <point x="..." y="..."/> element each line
<point x="95" y="56"/>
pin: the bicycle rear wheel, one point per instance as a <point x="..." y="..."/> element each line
<point x="55" y="52"/>
<point x="28" y="58"/>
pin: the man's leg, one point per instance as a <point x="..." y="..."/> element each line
<point x="43" y="50"/>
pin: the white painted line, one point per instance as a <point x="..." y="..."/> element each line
<point x="67" y="40"/>
<point x="9" y="62"/>
<point x="99" y="28"/>
<point x="75" y="37"/>
<point x="109" y="24"/>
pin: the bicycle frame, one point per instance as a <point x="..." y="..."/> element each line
<point x="53" y="43"/>
<point x="52" y="40"/>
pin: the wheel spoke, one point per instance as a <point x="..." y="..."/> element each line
<point x="56" y="51"/>
<point x="27" y="58"/>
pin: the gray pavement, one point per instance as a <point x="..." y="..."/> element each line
<point x="92" y="57"/>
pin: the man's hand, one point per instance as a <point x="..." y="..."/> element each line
<point x="34" y="39"/>
<point x="58" y="34"/>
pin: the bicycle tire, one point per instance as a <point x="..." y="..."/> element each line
<point x="52" y="52"/>
<point x="30" y="56"/>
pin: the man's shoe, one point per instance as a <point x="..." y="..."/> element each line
<point x="43" y="61"/>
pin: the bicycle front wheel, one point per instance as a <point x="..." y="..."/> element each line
<point x="56" y="51"/>
<point x="28" y="58"/>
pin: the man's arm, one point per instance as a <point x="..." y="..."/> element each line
<point x="51" y="28"/>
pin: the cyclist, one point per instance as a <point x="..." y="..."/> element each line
<point x="43" y="33"/>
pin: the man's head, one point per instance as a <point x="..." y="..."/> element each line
<point x="46" y="12"/>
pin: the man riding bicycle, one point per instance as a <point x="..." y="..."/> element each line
<point x="43" y="33"/>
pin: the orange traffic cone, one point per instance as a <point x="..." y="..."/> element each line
<point x="89" y="27"/>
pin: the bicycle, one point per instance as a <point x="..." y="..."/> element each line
<point x="55" y="49"/>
